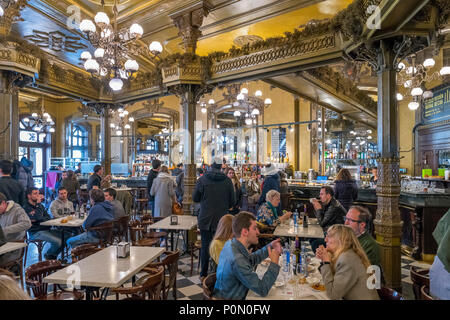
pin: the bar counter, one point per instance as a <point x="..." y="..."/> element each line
<point x="420" y="213"/>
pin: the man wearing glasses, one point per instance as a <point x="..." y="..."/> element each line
<point x="359" y="219"/>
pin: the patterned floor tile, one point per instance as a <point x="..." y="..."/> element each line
<point x="191" y="290"/>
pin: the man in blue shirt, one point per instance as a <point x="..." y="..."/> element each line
<point x="235" y="272"/>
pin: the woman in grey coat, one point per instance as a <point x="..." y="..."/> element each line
<point x="344" y="266"/>
<point x="163" y="189"/>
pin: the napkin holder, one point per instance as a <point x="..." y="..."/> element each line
<point x="123" y="250"/>
<point x="173" y="220"/>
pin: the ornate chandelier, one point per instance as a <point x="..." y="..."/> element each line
<point x="114" y="48"/>
<point x="120" y="121"/>
<point x="40" y="120"/>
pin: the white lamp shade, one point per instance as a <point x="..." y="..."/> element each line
<point x="235" y="104"/>
<point x="87" y="26"/>
<point x="45" y="114"/>
<point x="211" y="101"/>
<point x="248" y="121"/>
<point x="34" y="115"/>
<point x="254" y="121"/>
<point x="52" y="130"/>
<point x="244" y="90"/>
<point x="255" y="112"/>
<point x="136" y="30"/>
<point x="369" y="131"/>
<point x="268" y="101"/>
<point x="119" y="132"/>
<point x="258" y="93"/>
<point x="399" y="97"/>
<point x="131" y="119"/>
<point x="86" y="55"/>
<point x="1" y="12"/>
<point x="203" y="110"/>
<point x="155" y="47"/>
<point x="127" y="126"/>
<point x="401" y="66"/>
<point x="427" y="94"/>
<point x="116" y="84"/>
<point x="369" y="137"/>
<point x="112" y="125"/>
<point x="328" y="141"/>
<point x="445" y="71"/>
<point x="413" y="105"/>
<point x="218" y="126"/>
<point x="91" y="65"/>
<point x="237" y="113"/>
<point x="131" y="65"/>
<point x="52" y="123"/>
<point x="240" y="97"/>
<point x="121" y="115"/>
<point x="26" y="119"/>
<point x="429" y="63"/>
<point x="101" y="18"/>
<point x="416" y="91"/>
<point x="120" y="110"/>
<point x="99" y="53"/>
<point x="125" y="112"/>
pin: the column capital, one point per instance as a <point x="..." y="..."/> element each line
<point x="196" y="90"/>
<point x="188" y="21"/>
<point x="14" y="81"/>
<point x="102" y="108"/>
<point x="11" y="14"/>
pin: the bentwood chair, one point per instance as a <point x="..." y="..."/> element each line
<point x="150" y="284"/>
<point x="170" y="264"/>
<point x="39" y="245"/>
<point x="386" y="293"/>
<point x="104" y="233"/>
<point x="34" y="279"/>
<point x="208" y="286"/>
<point x="17" y="264"/>
<point x="419" y="278"/>
<point x="137" y="235"/>
<point x="83" y="251"/>
<point x="425" y="293"/>
<point x="120" y="229"/>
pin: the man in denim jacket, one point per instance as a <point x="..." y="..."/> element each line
<point x="235" y="272"/>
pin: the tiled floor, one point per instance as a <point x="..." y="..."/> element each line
<point x="190" y="288"/>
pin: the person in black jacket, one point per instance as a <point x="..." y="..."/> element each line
<point x="37" y="214"/>
<point x="9" y="186"/>
<point x="328" y="211"/>
<point x="95" y="180"/>
<point x="216" y="195"/>
<point x="345" y="189"/>
<point x="229" y="172"/>
<point x="156" y="167"/>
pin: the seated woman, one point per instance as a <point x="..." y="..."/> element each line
<point x="224" y="233"/>
<point x="344" y="266"/>
<point x="267" y="213"/>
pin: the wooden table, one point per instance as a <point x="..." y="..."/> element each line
<point x="74" y="223"/>
<point x="104" y="269"/>
<point x="287" y="292"/>
<point x="185" y="223"/>
<point x="11" y="246"/>
<point x="313" y="230"/>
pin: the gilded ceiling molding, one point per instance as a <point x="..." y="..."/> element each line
<point x="188" y="22"/>
<point x="11" y="14"/>
<point x="155" y="106"/>
<point x="56" y="41"/>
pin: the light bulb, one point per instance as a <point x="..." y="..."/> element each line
<point x="429" y="63"/>
<point x="268" y="101"/>
<point x="254" y="121"/>
<point x="399" y="97"/>
<point x="116" y="84"/>
<point x="136" y="30"/>
<point x="237" y="113"/>
<point x="112" y="125"/>
<point x="427" y="94"/>
<point x="34" y="115"/>
<point x="121" y="140"/>
<point x="235" y="104"/>
<point x="120" y="110"/>
<point x="99" y="53"/>
<point x="416" y="91"/>
<point x="119" y="132"/>
<point x="1" y="12"/>
<point x="26" y="119"/>
<point x="407" y="84"/>
<point x="401" y="66"/>
<point x="204" y="110"/>
<point x="248" y="121"/>
<point x="101" y="18"/>
<point x="413" y="105"/>
<point x="240" y="97"/>
<point x="86" y="55"/>
<point x="291" y="129"/>
<point x="255" y="112"/>
<point x="45" y="114"/>
<point x="369" y="137"/>
<point x="91" y="65"/>
<point x="244" y="91"/>
<point x="445" y="71"/>
<point x="127" y="126"/>
<point x="218" y="126"/>
<point x="156" y="47"/>
<point x="52" y="130"/>
<point x="211" y="101"/>
<point x="131" y="65"/>
<point x="131" y="119"/>
<point x="369" y="131"/>
<point x="121" y="115"/>
<point x="328" y="141"/>
<point x="125" y="112"/>
<point x="258" y="93"/>
<point x="87" y="26"/>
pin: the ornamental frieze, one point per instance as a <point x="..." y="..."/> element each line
<point x="13" y="59"/>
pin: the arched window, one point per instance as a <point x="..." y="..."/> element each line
<point x="152" y="145"/>
<point x="77" y="142"/>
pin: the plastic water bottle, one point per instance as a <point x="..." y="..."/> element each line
<point x="286" y="258"/>
<point x="295" y="221"/>
<point x="304" y="262"/>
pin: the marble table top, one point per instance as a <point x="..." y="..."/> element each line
<point x="75" y="222"/>
<point x="104" y="269"/>
<point x="312" y="231"/>
<point x="11" y="246"/>
<point x="184" y="223"/>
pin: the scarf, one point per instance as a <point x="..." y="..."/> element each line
<point x="274" y="210"/>
<point x="442" y="236"/>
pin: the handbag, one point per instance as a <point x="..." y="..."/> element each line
<point x="176" y="209"/>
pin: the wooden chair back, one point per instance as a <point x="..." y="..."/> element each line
<point x="104" y="233"/>
<point x="136" y="231"/>
<point x="170" y="263"/>
<point x="83" y="251"/>
<point x="150" y="284"/>
<point x="121" y="228"/>
<point x="419" y="278"/>
<point x="386" y="293"/>
<point x="35" y="274"/>
<point x="425" y="293"/>
<point x="208" y="286"/>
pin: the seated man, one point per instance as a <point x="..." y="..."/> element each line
<point x="328" y="211"/>
<point x="118" y="210"/>
<point x="61" y="206"/>
<point x="358" y="218"/>
<point x="37" y="214"/>
<point x="100" y="213"/>
<point x="14" y="223"/>
<point x="235" y="272"/>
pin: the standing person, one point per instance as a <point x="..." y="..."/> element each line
<point x="37" y="214"/>
<point x="8" y="186"/>
<point x="163" y="189"/>
<point x="230" y="173"/>
<point x="14" y="222"/>
<point x="180" y="187"/>
<point x="345" y="188"/>
<point x="344" y="266"/>
<point x="271" y="182"/>
<point x="118" y="210"/>
<point x="374" y="177"/>
<point x="25" y="176"/>
<point x="223" y="234"/>
<point x="101" y="212"/>
<point x="95" y="180"/>
<point x="72" y="186"/>
<point x="156" y="167"/>
<point x="216" y="195"/>
<point x="253" y="188"/>
<point x="61" y="206"/>
<point x="177" y="170"/>
<point x="235" y="272"/>
<point x="78" y="171"/>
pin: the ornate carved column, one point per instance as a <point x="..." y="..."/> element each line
<point x="296" y="157"/>
<point x="189" y="94"/>
<point x="9" y="119"/>
<point x="188" y="21"/>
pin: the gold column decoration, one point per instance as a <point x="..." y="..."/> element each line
<point x="11" y="13"/>
<point x="188" y="21"/>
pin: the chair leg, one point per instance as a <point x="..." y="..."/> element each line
<point x="21" y="275"/>
<point x="40" y="249"/>
<point x="25" y="258"/>
<point x="192" y="258"/>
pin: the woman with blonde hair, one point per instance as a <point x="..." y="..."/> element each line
<point x="223" y="233"/>
<point x="10" y="290"/>
<point x="344" y="266"/>
<point x="230" y="173"/>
